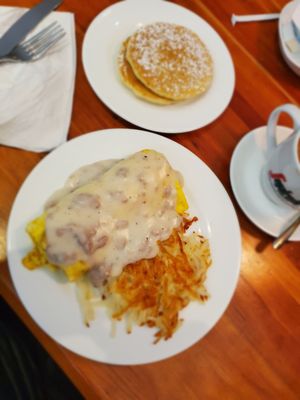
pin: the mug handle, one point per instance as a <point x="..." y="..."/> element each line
<point x="290" y="109"/>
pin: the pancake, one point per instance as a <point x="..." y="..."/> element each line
<point x="170" y="60"/>
<point x="130" y="80"/>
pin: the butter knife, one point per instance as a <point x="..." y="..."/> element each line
<point x="25" y="24"/>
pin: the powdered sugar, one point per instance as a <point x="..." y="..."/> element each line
<point x="171" y="57"/>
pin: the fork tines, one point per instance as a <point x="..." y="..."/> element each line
<point x="38" y="44"/>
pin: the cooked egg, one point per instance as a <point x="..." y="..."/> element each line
<point x="116" y="217"/>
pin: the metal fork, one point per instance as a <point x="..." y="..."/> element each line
<point x="37" y="46"/>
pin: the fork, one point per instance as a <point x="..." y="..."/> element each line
<point x="37" y="46"/>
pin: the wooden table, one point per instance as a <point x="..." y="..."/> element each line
<point x="253" y="352"/>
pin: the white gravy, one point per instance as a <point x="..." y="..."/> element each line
<point x="112" y="213"/>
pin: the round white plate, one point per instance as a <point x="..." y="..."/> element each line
<point x="53" y="305"/>
<point x="247" y="161"/>
<point x="100" y="50"/>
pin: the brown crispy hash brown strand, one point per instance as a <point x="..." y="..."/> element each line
<point x="152" y="292"/>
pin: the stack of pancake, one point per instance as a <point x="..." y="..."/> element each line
<point x="165" y="63"/>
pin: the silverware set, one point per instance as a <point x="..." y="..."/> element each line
<point x="13" y="45"/>
<point x="37" y="46"/>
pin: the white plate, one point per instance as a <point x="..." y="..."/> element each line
<point x="53" y="305"/>
<point x="246" y="163"/>
<point x="100" y="50"/>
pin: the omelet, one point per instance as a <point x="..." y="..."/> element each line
<point x="108" y="215"/>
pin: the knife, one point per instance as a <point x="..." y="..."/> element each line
<point x="25" y="24"/>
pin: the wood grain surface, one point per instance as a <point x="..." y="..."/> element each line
<point x="253" y="352"/>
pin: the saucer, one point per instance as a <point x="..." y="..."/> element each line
<point x="246" y="163"/>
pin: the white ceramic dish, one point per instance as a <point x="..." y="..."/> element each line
<point x="53" y="305"/>
<point x="247" y="161"/>
<point x="292" y="59"/>
<point x="100" y="50"/>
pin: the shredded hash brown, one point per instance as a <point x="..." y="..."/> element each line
<point x="152" y="292"/>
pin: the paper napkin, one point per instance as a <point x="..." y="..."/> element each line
<point x="36" y="98"/>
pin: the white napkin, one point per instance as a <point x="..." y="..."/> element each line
<point x="36" y="98"/>
<point x="296" y="22"/>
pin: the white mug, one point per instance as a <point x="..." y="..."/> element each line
<point x="280" y="176"/>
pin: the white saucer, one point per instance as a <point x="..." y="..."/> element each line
<point x="100" y="50"/>
<point x="247" y="161"/>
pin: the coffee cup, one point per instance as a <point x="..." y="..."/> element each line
<point x="280" y="176"/>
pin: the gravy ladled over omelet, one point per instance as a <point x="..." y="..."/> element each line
<point x="116" y="218"/>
